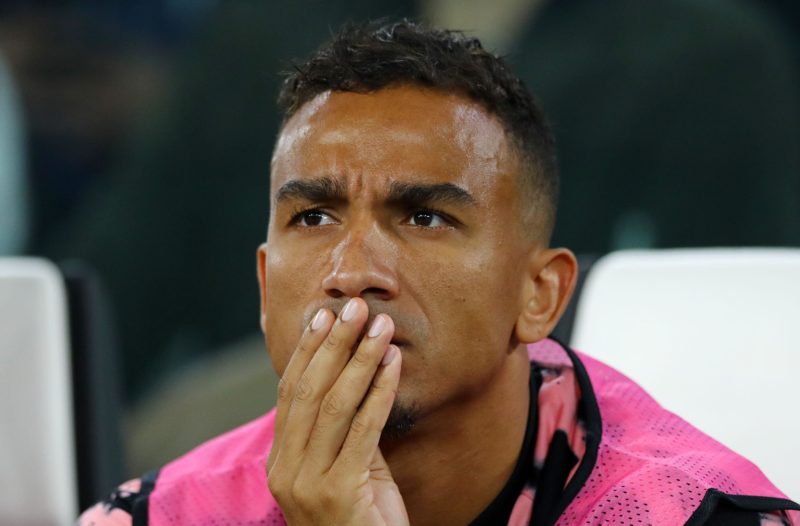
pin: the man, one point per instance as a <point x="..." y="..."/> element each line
<point x="408" y="289"/>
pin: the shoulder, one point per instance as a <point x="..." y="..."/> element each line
<point x="246" y="445"/>
<point x="645" y="461"/>
<point x="220" y="467"/>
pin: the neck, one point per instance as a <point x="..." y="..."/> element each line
<point x="459" y="458"/>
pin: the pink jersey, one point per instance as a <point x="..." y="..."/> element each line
<point x="634" y="463"/>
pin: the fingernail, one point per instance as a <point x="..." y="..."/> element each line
<point x="349" y="310"/>
<point x="390" y="354"/>
<point x="319" y="320"/>
<point x="378" y="324"/>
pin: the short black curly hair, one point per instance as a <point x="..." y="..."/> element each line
<point x="373" y="55"/>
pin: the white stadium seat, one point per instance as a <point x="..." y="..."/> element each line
<point x="37" y="459"/>
<point x="713" y="335"/>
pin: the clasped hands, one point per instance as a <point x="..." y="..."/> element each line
<point x="325" y="466"/>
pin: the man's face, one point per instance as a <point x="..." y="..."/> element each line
<point x="408" y="198"/>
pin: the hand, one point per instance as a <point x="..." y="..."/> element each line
<point x="325" y="466"/>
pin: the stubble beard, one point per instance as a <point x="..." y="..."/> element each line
<point x="401" y="421"/>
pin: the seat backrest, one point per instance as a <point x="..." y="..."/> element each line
<point x="713" y="335"/>
<point x="96" y="385"/>
<point x="37" y="464"/>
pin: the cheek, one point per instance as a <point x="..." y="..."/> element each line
<point x="286" y="299"/>
<point x="472" y="309"/>
<point x="278" y="337"/>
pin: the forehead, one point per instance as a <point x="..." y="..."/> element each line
<point x="394" y="134"/>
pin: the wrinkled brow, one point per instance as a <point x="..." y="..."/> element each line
<point x="315" y="190"/>
<point x="405" y="194"/>
<point x="415" y="194"/>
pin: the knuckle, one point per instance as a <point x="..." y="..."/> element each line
<point x="332" y="404"/>
<point x="334" y="341"/>
<point x="276" y="486"/>
<point x="301" y="494"/>
<point x="284" y="389"/>
<point x="302" y="348"/>
<point x="304" y="390"/>
<point x="362" y="425"/>
<point x="361" y="358"/>
<point x="329" y="496"/>
<point x="317" y="433"/>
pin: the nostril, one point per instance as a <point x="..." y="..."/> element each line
<point x="335" y="293"/>
<point x="369" y="281"/>
<point x="376" y="291"/>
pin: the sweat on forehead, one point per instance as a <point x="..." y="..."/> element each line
<point x="448" y="133"/>
<point x="374" y="112"/>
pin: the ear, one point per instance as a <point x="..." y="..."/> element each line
<point x="548" y="287"/>
<point x="261" y="257"/>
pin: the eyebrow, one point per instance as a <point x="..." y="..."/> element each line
<point x="415" y="194"/>
<point x="315" y="190"/>
<point x="404" y="194"/>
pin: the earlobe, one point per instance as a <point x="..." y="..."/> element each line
<point x="261" y="264"/>
<point x="547" y="290"/>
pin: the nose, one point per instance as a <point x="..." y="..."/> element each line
<point x="363" y="264"/>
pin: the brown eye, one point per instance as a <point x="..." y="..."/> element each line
<point x="428" y="219"/>
<point x="313" y="218"/>
<point x="423" y="218"/>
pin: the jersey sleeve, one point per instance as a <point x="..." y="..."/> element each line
<point x="116" y="509"/>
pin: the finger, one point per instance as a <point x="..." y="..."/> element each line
<point x="340" y="404"/>
<point x="320" y="375"/>
<point x="312" y="338"/>
<point x="365" y="430"/>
